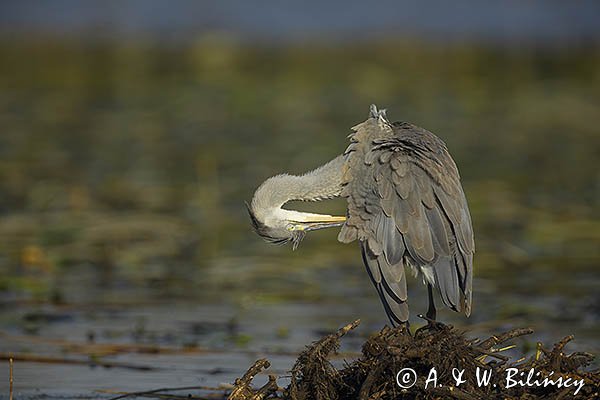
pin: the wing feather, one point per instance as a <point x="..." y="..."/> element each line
<point x="406" y="205"/>
<point x="392" y="292"/>
<point x="446" y="280"/>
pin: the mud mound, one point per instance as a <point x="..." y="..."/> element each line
<point x="436" y="362"/>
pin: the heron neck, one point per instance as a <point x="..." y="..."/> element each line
<point x="319" y="184"/>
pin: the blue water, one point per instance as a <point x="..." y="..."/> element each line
<point x="514" y="22"/>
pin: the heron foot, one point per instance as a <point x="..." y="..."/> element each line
<point x="404" y="327"/>
<point x="432" y="324"/>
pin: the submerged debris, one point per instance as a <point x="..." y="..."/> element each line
<point x="436" y="362"/>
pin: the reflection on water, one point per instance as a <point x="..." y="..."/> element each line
<point x="123" y="171"/>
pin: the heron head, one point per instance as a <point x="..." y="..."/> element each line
<point x="281" y="226"/>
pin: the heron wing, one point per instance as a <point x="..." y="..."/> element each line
<point x="406" y="206"/>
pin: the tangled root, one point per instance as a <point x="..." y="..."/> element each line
<point x="374" y="375"/>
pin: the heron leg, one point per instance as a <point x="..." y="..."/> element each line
<point x="431" y="312"/>
<point x="432" y="324"/>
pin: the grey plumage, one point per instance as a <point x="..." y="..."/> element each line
<point x="406" y="207"/>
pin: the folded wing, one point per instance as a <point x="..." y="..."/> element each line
<point x="407" y="207"/>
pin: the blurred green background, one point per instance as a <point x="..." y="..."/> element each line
<point x="125" y="162"/>
<point x="126" y="153"/>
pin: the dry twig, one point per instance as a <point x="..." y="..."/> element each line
<point x="10" y="377"/>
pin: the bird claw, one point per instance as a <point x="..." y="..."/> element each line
<point x="432" y="325"/>
<point x="403" y="327"/>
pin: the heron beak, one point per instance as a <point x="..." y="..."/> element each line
<point x="313" y="222"/>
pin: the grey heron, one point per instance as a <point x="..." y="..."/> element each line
<point x="406" y="208"/>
